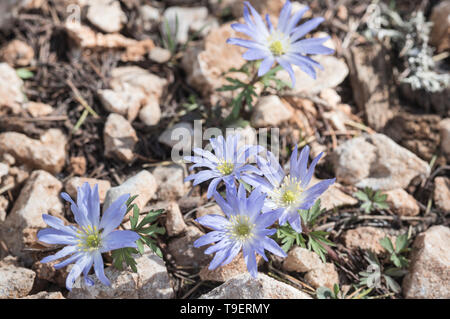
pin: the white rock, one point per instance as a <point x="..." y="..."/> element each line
<point x="185" y="17"/>
<point x="270" y="111"/>
<point x="175" y="224"/>
<point x="40" y="195"/>
<point x="378" y="162"/>
<point x="301" y="260"/>
<point x="150" y="282"/>
<point x="441" y="194"/>
<point x="330" y="96"/>
<point x="74" y="182"/>
<point x="429" y="275"/>
<point x="263" y="287"/>
<point x="3" y="205"/>
<point x="366" y="238"/>
<point x="333" y="73"/>
<point x="170" y="179"/>
<point x="4" y="170"/>
<point x="124" y="102"/>
<point x="444" y="126"/>
<point x="180" y="135"/>
<point x="160" y="55"/>
<point x="440" y="33"/>
<point x="17" y="53"/>
<point x="108" y="17"/>
<point x="48" y="153"/>
<point x="402" y="203"/>
<point x="119" y="138"/>
<point x="36" y="109"/>
<point x="324" y="276"/>
<point x="148" y="15"/>
<point x="334" y="197"/>
<point x="142" y="184"/>
<point x="183" y="251"/>
<point x="11" y="95"/>
<point x="150" y="114"/>
<point x="206" y="63"/>
<point x="228" y="271"/>
<point x="45" y="295"/>
<point x="15" y="282"/>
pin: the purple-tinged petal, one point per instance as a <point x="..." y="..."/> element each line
<point x="212" y="187"/>
<point x="209" y="238"/>
<point x="265" y="66"/>
<point x="58" y="224"/>
<point x="114" y="214"/>
<point x="69" y="260"/>
<point x="76" y="270"/>
<point x="119" y="239"/>
<point x="215" y="222"/>
<point x="100" y="270"/>
<point x="255" y="54"/>
<point x="54" y="236"/>
<point x="250" y="260"/>
<point x="270" y="245"/>
<point x="304" y="28"/>
<point x="285" y="64"/>
<point x="60" y="254"/>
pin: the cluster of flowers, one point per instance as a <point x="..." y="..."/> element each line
<point x="276" y="196"/>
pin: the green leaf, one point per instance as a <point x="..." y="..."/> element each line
<point x="401" y="243"/>
<point x="140" y="246"/>
<point x="134" y="220"/>
<point x="150" y="218"/>
<point x="392" y="284"/>
<point x="24" y="73"/>
<point x="324" y="293"/>
<point x="386" y="243"/>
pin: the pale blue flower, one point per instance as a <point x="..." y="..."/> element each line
<point x="228" y="163"/>
<point x="92" y="236"/>
<point x="244" y="228"/>
<point x="290" y="192"/>
<point x="282" y="44"/>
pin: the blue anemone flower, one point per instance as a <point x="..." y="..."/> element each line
<point x="244" y="227"/>
<point x="289" y="192"/>
<point x="229" y="162"/>
<point x="92" y="236"/>
<point x="282" y="44"/>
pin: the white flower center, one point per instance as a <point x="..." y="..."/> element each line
<point x="288" y="193"/>
<point x="89" y="238"/>
<point x="240" y="228"/>
<point x="278" y="43"/>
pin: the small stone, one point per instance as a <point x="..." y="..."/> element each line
<point x="4" y="170"/>
<point x="47" y="271"/>
<point x="378" y="162"/>
<point x="15" y="282"/>
<point x="149" y="16"/>
<point x="334" y="72"/>
<point x="126" y="103"/>
<point x="365" y="238"/>
<point x="334" y="197"/>
<point x="36" y="109"/>
<point x="17" y="53"/>
<point x="119" y="138"/>
<point x="183" y="251"/>
<point x="40" y="195"/>
<point x="270" y="111"/>
<point x="180" y="135"/>
<point x="401" y="203"/>
<point x="440" y="33"/>
<point x="429" y="275"/>
<point x="108" y="17"/>
<point x="150" y="114"/>
<point x="78" y="165"/>
<point x="301" y="260"/>
<point x="160" y="55"/>
<point x="48" y="153"/>
<point x="225" y="273"/>
<point x="444" y="126"/>
<point x="150" y="282"/>
<point x="324" y="276"/>
<point x="175" y="224"/>
<point x="46" y="295"/>
<point x="245" y="286"/>
<point x="3" y="206"/>
<point x="205" y="64"/>
<point x="330" y="96"/>
<point x="138" y="51"/>
<point x="441" y="194"/>
<point x="213" y="209"/>
<point x="170" y="179"/>
<point x="185" y="17"/>
<point x="74" y="182"/>
<point x="11" y="95"/>
<point x="142" y="184"/>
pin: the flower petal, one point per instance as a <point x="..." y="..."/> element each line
<point x="119" y="239"/>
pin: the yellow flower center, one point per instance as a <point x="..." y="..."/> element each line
<point x="225" y="168"/>
<point x="89" y="238"/>
<point x="276" y="47"/>
<point x="288" y="197"/>
<point x="240" y="228"/>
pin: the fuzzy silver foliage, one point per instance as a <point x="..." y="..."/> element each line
<point x="412" y="39"/>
